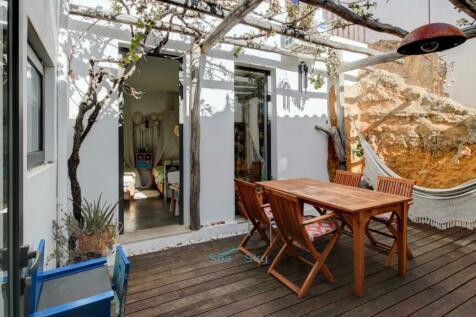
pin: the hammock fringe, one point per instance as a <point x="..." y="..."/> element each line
<point x="444" y="225"/>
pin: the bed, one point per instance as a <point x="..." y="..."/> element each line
<point x="164" y="175"/>
<point x="158" y="173"/>
<point x="129" y="186"/>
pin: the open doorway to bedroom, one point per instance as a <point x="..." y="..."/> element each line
<point x="151" y="147"/>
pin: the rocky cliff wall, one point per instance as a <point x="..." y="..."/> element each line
<point x="427" y="71"/>
<point x="418" y="134"/>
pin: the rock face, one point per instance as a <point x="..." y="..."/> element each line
<point x="426" y="71"/>
<point x="418" y="134"/>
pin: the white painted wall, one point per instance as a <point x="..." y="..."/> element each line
<point x="410" y="14"/>
<point x="39" y="184"/>
<point x="98" y="170"/>
<point x="297" y="149"/>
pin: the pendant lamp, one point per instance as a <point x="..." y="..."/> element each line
<point x="431" y="38"/>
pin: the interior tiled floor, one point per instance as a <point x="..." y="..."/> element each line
<point x="147" y="213"/>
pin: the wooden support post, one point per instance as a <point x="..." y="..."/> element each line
<point x="340" y="104"/>
<point x="195" y="69"/>
<point x="197" y="59"/>
<point x="334" y="134"/>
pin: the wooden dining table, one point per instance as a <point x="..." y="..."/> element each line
<point x="356" y="206"/>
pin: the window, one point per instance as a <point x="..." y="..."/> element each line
<point x="35" y="110"/>
<point x="288" y="41"/>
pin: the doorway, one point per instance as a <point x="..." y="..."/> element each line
<point x="151" y="147"/>
<point x="252" y="124"/>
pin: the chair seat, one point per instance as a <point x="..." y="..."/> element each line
<point x="73" y="287"/>
<point x="383" y="217"/>
<point x="267" y="211"/>
<point x="319" y="228"/>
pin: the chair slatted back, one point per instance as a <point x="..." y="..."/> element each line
<point x="287" y="212"/>
<point x="347" y="178"/>
<point x="249" y="200"/>
<point x="395" y="186"/>
<point x="120" y="277"/>
<point x="36" y="280"/>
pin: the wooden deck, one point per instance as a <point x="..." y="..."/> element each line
<point x="186" y="281"/>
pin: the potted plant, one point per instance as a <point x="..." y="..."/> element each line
<point x="92" y="237"/>
<point x="97" y="231"/>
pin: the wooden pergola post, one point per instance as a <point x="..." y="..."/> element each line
<point x="199" y="49"/>
<point x="195" y="66"/>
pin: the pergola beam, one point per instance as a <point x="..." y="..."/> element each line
<point x="371" y="60"/>
<point x="268" y="26"/>
<point x="272" y="49"/>
<point x="231" y="19"/>
<point x="180" y="29"/>
<point x="94" y="13"/>
<point x="470" y="32"/>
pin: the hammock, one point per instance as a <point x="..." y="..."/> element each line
<point x="441" y="208"/>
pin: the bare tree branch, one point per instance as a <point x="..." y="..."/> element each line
<point x="467" y="6"/>
<point x="350" y="16"/>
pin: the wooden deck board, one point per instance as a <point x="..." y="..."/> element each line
<point x="185" y="282"/>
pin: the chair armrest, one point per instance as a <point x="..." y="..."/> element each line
<point x="319" y="218"/>
<point x="96" y="305"/>
<point x="75" y="268"/>
<point x="260" y="197"/>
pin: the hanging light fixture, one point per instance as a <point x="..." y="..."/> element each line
<point x="431" y="38"/>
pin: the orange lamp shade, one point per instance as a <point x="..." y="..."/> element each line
<point x="431" y="38"/>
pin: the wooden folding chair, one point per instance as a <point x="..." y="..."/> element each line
<point x="395" y="186"/>
<point x="300" y="232"/>
<point x="348" y="179"/>
<point x="252" y="208"/>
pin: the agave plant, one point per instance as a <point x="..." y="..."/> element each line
<point x="88" y="239"/>
<point x="97" y="217"/>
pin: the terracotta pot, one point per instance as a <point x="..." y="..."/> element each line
<point x="97" y="244"/>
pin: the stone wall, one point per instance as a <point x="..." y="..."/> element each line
<point x="418" y="134"/>
<point x="427" y="71"/>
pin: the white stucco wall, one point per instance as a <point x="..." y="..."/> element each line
<point x="98" y="170"/>
<point x="298" y="150"/>
<point x="39" y="183"/>
<point x="410" y="14"/>
<point x="293" y="118"/>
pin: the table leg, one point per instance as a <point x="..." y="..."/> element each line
<point x="172" y="203"/>
<point x="358" y="228"/>
<point x="402" y="239"/>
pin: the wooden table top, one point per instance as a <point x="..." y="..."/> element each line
<point x="333" y="196"/>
